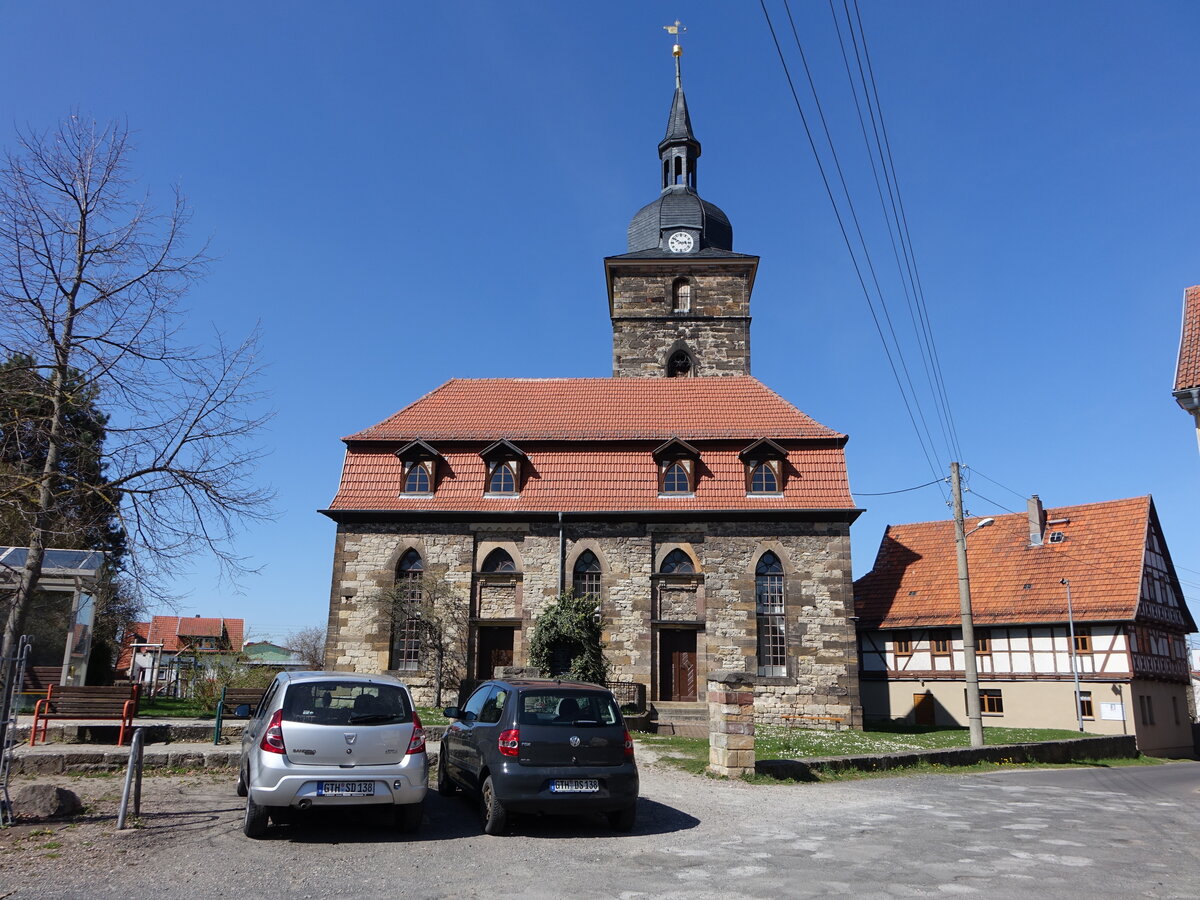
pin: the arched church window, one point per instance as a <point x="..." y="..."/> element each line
<point x="499" y="561"/>
<point x="675" y="480"/>
<point x="406" y="619"/>
<point x="769" y="606"/>
<point x="681" y="296"/>
<point x="763" y="480"/>
<point x="502" y="480"/>
<point x="417" y="480"/>
<point x="677" y="563"/>
<point x="679" y="365"/>
<point x="586" y="581"/>
<point x="679" y="170"/>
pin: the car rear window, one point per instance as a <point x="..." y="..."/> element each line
<point x="346" y="703"/>
<point x="564" y="707"/>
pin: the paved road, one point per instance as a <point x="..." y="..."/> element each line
<point x="1096" y="832"/>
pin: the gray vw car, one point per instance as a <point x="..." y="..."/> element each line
<point x="534" y="746"/>
<point x="332" y="740"/>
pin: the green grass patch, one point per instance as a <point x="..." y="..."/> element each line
<point x="431" y="716"/>
<point x="781" y="742"/>
<point x="172" y="708"/>
<point x="687" y="753"/>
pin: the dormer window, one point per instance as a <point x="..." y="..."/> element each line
<point x="764" y="462"/>
<point x="502" y="480"/>
<point x="677" y="463"/>
<point x="676" y="479"/>
<point x="763" y="480"/>
<point x="417" y="481"/>
<point x="420" y="463"/>
<point x="504" y="460"/>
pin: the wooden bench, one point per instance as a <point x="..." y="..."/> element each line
<point x="232" y="698"/>
<point x="835" y="721"/>
<point x="85" y="704"/>
<point x="39" y="679"/>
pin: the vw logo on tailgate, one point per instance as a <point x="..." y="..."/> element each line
<point x="574" y="740"/>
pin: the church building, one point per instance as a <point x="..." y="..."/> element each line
<point x="707" y="517"/>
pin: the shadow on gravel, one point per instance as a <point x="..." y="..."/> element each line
<point x="457" y="818"/>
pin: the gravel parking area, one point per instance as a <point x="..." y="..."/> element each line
<point x="1059" y="833"/>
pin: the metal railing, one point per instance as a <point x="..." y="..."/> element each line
<point x="133" y="778"/>
<point x="12" y="671"/>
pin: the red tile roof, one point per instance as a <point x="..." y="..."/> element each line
<point x="590" y="409"/>
<point x="590" y="442"/>
<point x="915" y="578"/>
<point x="593" y="479"/>
<point x="1187" y="375"/>
<point x="167" y="630"/>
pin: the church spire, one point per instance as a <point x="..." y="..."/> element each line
<point x="679" y="150"/>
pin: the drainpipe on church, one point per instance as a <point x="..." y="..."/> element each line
<point x="562" y="557"/>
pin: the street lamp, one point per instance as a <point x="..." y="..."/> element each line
<point x="970" y="670"/>
<point x="1066" y="582"/>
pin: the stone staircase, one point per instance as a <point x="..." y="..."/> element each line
<point x="681" y="718"/>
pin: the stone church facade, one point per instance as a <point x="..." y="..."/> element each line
<point x="707" y="516"/>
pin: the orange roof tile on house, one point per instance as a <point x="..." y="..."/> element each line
<point x="589" y="443"/>
<point x="168" y="631"/>
<point x="1187" y="373"/>
<point x="915" y="579"/>
<point x="592" y="409"/>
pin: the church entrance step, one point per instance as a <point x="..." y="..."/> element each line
<point x="676" y="711"/>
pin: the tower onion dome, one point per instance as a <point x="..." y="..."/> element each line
<point x="679" y="206"/>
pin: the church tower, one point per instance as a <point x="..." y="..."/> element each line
<point x="680" y="298"/>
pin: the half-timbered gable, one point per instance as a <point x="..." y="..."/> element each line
<point x="1087" y="590"/>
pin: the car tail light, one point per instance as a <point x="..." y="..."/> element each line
<point x="272" y="739"/>
<point x="416" y="744"/>
<point x="508" y="742"/>
<point x="629" y="745"/>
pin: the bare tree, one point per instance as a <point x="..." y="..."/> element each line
<point x="308" y="645"/>
<point x="428" y="617"/>
<point x="91" y="281"/>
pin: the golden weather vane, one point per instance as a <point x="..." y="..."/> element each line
<point x="677" y="29"/>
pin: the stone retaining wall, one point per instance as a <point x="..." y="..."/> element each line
<point x="1095" y="748"/>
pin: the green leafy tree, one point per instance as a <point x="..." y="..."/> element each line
<point x="566" y="640"/>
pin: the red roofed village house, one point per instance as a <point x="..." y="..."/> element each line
<point x="1127" y="614"/>
<point x="1187" y="372"/>
<point x="708" y="517"/>
<point x="164" y="652"/>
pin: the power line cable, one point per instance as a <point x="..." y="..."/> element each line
<point x="901" y="491"/>
<point x="926" y="448"/>
<point x="892" y="218"/>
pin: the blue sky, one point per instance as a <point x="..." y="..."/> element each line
<point x="403" y="193"/>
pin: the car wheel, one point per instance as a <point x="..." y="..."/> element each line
<point x="255" y="823"/>
<point x="445" y="786"/>
<point x="241" y="784"/>
<point x="408" y="817"/>
<point x="494" y="816"/>
<point x="623" y="819"/>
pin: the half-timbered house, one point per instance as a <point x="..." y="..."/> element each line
<point x="1087" y="591"/>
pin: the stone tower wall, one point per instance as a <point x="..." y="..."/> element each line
<point x="715" y="330"/>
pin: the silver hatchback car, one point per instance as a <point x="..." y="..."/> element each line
<point x="333" y="739"/>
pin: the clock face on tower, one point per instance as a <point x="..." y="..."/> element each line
<point x="680" y="242"/>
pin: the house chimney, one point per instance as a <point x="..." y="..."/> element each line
<point x="1037" y="521"/>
